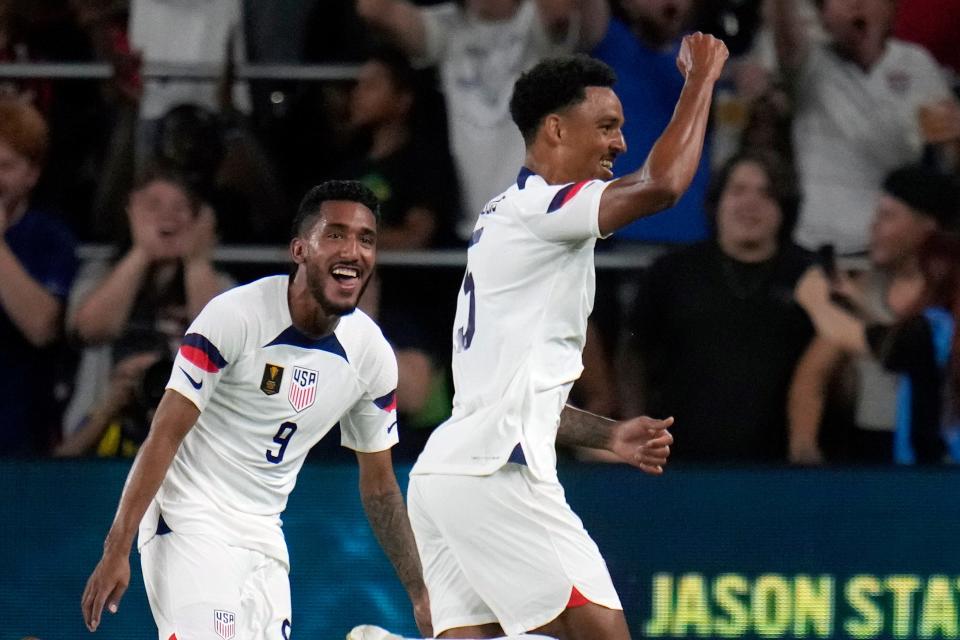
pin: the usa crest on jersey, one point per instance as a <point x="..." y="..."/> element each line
<point x="225" y="624"/>
<point x="303" y="388"/>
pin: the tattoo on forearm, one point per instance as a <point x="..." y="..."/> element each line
<point x="388" y="519"/>
<point x="583" y="429"/>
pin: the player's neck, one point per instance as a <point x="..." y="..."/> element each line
<point x="306" y="313"/>
<point x="545" y="166"/>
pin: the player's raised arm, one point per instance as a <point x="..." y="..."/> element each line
<point x="387" y="513"/>
<point x="641" y="442"/>
<point x="674" y="158"/>
<point x="174" y="418"/>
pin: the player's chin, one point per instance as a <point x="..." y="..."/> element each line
<point x="336" y="307"/>
<point x="339" y="303"/>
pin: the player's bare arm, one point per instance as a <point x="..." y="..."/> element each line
<point x="674" y="158"/>
<point x="174" y="418"/>
<point x="387" y="513"/>
<point x="641" y="442"/>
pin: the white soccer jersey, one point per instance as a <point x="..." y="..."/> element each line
<point x="267" y="393"/>
<point x="520" y="328"/>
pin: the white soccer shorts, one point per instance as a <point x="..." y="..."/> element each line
<point x="502" y="548"/>
<point x="202" y="589"/>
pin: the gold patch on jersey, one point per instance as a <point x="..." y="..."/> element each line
<point x="272" y="377"/>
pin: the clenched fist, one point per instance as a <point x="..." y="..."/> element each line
<point x="702" y="56"/>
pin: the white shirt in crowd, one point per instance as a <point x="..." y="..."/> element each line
<point x="852" y="128"/>
<point x="187" y="32"/>
<point x="479" y="61"/>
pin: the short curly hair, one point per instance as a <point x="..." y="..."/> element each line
<point x="554" y="85"/>
<point x="349" y="190"/>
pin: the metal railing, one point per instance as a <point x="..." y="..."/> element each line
<point x="197" y="72"/>
<point x="636" y="257"/>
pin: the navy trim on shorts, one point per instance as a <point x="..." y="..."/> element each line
<point x="162" y="527"/>
<point x="516" y="456"/>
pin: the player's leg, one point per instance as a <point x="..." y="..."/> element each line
<point x="588" y="622"/>
<point x="456" y="610"/>
<point x="194" y="585"/>
<point x="265" y="600"/>
<point x="372" y="632"/>
<point x="520" y="547"/>
<point x="492" y="630"/>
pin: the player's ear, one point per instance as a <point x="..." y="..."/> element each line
<point x="297" y="249"/>
<point x="552" y="129"/>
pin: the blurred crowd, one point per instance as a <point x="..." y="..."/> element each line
<point x="803" y="306"/>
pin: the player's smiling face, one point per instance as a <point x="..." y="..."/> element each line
<point x="592" y="135"/>
<point x="338" y="253"/>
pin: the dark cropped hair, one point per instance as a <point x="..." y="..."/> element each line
<point x="552" y="86"/>
<point x="782" y="184"/>
<point x="926" y="191"/>
<point x="349" y="190"/>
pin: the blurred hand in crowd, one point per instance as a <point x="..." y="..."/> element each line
<point x="813" y="288"/>
<point x="200" y="236"/>
<point x="940" y="121"/>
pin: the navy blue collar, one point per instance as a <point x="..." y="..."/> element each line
<point x="522" y="177"/>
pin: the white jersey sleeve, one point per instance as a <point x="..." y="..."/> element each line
<point x="371" y="424"/>
<point x="571" y="214"/>
<point x="214" y="340"/>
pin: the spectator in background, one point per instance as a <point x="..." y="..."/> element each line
<point x="857" y="99"/>
<point x="717" y="332"/>
<point x="187" y="33"/>
<point x="120" y="420"/>
<point x="915" y="201"/>
<point x="14" y="47"/>
<point x="74" y="109"/>
<point x="37" y="267"/>
<point x="417" y="190"/>
<point x="144" y="300"/>
<point x="481" y="47"/>
<point x="414" y="181"/>
<point x="642" y="49"/>
<point x="923" y="345"/>
<point x="228" y="169"/>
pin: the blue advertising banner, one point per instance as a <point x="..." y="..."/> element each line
<point x="697" y="553"/>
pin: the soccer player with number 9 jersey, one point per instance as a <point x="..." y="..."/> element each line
<point x="264" y="372"/>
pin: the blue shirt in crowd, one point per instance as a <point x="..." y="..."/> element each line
<point x="648" y="84"/>
<point x="47" y="250"/>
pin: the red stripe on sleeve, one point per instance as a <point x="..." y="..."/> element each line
<point x="198" y="358"/>
<point x="574" y="191"/>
